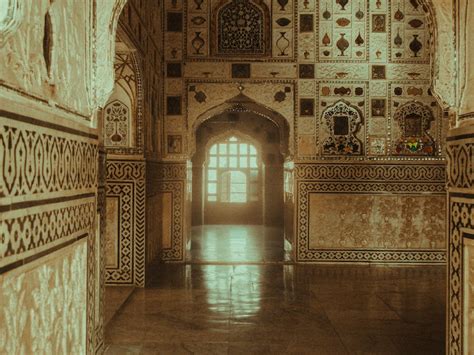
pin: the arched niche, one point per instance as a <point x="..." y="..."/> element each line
<point x="127" y="96"/>
<point x="414" y="120"/>
<point x="240" y="27"/>
<point x="343" y="122"/>
<point x="240" y="105"/>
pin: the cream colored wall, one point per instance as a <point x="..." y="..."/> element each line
<point x="53" y="75"/>
<point x="207" y="81"/>
<point x="43" y="302"/>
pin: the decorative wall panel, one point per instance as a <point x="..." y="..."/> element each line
<point x="43" y="161"/>
<point x="376" y="222"/>
<point x="123" y="115"/>
<point x="43" y="304"/>
<point x="169" y="181"/>
<point x="125" y="249"/>
<point x="461" y="228"/>
<point x="365" y="195"/>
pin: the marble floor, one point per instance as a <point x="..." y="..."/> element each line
<point x="278" y="308"/>
<point x="116" y="296"/>
<point x="236" y="244"/>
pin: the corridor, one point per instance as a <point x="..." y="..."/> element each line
<point x="236" y="244"/>
<point x="273" y="308"/>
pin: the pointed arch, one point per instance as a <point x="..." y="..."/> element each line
<point x="240" y="104"/>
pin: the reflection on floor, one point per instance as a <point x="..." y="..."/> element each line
<point x="236" y="244"/>
<point x="274" y="309"/>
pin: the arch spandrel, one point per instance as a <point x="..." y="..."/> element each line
<point x="242" y="104"/>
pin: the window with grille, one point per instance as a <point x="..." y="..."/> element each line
<point x="232" y="172"/>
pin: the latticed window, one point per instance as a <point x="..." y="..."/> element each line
<point x="232" y="172"/>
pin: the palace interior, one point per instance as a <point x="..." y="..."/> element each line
<point x="236" y="177"/>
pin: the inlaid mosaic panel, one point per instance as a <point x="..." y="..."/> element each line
<point x="41" y="161"/>
<point x="373" y="55"/>
<point x="230" y="28"/>
<point x="376" y="222"/>
<point x="461" y="227"/>
<point x="125" y="234"/>
<point x="374" y="197"/>
<point x="169" y="181"/>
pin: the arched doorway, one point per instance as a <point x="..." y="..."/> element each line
<point x="233" y="185"/>
<point x="238" y="179"/>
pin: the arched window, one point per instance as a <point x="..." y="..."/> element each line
<point x="232" y="172"/>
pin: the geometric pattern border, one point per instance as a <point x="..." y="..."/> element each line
<point x="306" y="254"/>
<point x="26" y="232"/>
<point x="461" y="217"/>
<point x="460" y="157"/>
<point x="166" y="171"/>
<point x="38" y="161"/>
<point x="176" y="188"/>
<point x="125" y="180"/>
<point x="171" y="178"/>
<point x="366" y="172"/>
<point x="459" y="153"/>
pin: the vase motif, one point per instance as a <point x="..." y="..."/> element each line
<point x="398" y="39"/>
<point x="359" y="40"/>
<point x="326" y="40"/>
<point x="282" y="4"/>
<point x="198" y="4"/>
<point x="415" y="45"/>
<point x="282" y="44"/>
<point x="197" y="43"/>
<point x="342" y="44"/>
<point x="343" y="3"/>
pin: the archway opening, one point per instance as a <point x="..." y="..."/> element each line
<point x="238" y="188"/>
<point x="233" y="183"/>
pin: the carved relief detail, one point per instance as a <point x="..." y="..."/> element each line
<point x="116" y="124"/>
<point x="242" y="28"/>
<point x="414" y="120"/>
<point x="343" y="121"/>
<point x="43" y="305"/>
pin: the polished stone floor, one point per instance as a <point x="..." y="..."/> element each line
<point x="236" y="244"/>
<point x="278" y="308"/>
<point x="116" y="297"/>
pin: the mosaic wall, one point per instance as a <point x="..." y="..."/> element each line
<point x="131" y="125"/>
<point x="359" y="84"/>
<point x="352" y="79"/>
<point x="389" y="212"/>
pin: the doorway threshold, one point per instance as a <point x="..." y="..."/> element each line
<point x="211" y="262"/>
